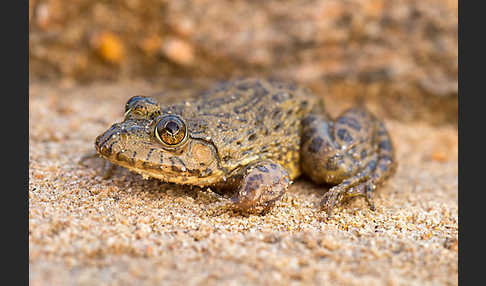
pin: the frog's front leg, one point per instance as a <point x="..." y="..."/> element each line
<point x="108" y="168"/>
<point x="353" y="152"/>
<point x="259" y="186"/>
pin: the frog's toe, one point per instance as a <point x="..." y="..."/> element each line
<point x="88" y="156"/>
<point x="262" y="185"/>
<point x="108" y="168"/>
<point x="340" y="193"/>
<point x="329" y="201"/>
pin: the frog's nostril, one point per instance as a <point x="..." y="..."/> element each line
<point x="103" y="140"/>
<point x="97" y="142"/>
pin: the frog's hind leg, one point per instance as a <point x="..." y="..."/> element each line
<point x="259" y="186"/>
<point x="377" y="169"/>
<point x="356" y="155"/>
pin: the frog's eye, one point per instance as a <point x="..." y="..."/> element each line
<point x="171" y="131"/>
<point x="141" y="105"/>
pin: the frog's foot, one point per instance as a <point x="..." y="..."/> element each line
<point x="88" y="156"/>
<point x="374" y="173"/>
<point x="108" y="168"/>
<point x="339" y="194"/>
<point x="262" y="184"/>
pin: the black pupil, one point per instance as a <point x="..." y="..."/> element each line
<point x="172" y="127"/>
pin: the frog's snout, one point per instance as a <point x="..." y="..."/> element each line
<point x="105" y="141"/>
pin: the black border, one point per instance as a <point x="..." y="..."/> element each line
<point x="15" y="143"/>
<point x="471" y="205"/>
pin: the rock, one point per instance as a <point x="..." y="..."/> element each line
<point x="109" y="47"/>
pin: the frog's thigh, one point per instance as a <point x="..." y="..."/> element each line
<point x="261" y="185"/>
<point x="354" y="152"/>
<point x="326" y="145"/>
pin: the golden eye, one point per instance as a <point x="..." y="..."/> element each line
<point x="171" y="131"/>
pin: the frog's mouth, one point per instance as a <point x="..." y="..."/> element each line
<point x="132" y="145"/>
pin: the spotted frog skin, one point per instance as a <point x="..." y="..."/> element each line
<point x="249" y="139"/>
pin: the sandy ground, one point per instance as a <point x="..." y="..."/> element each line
<point x="86" y="230"/>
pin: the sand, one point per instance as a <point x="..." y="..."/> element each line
<point x="86" y="230"/>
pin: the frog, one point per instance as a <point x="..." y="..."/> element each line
<point x="248" y="139"/>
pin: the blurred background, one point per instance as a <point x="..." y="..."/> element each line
<point x="401" y="55"/>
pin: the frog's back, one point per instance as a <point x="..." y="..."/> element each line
<point x="249" y="120"/>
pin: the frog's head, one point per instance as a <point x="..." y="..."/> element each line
<point x="159" y="144"/>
